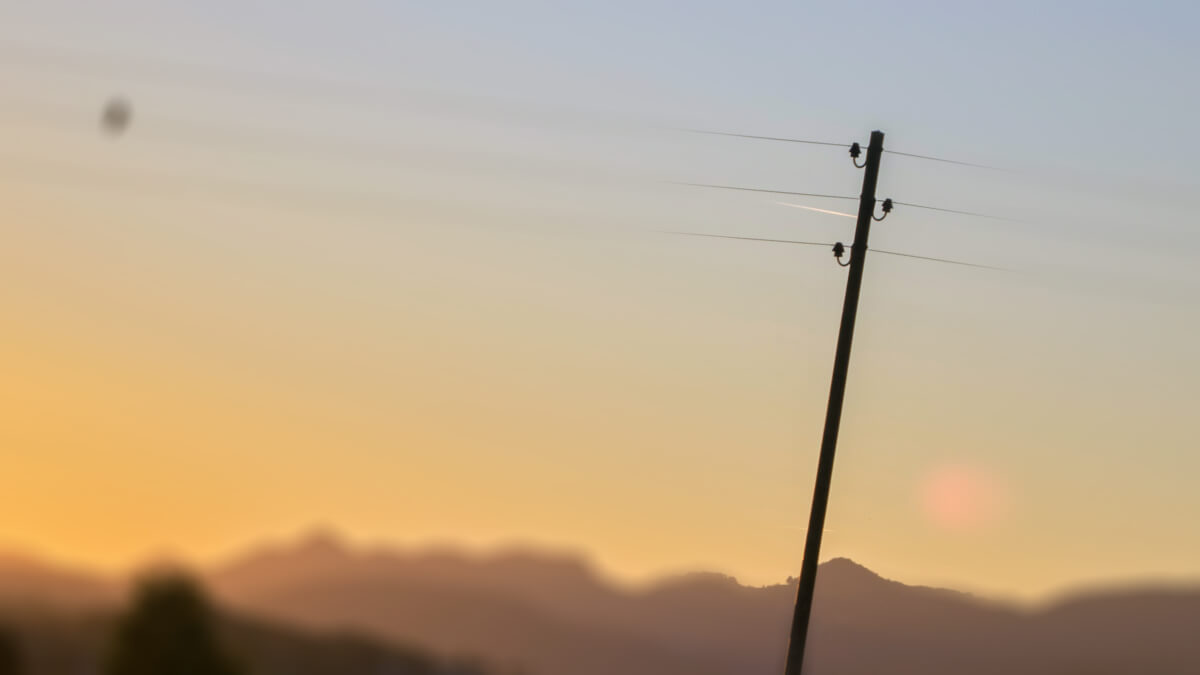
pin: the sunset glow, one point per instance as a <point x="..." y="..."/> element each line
<point x="398" y="269"/>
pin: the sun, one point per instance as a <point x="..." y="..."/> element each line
<point x="961" y="497"/>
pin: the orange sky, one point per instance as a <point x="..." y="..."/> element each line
<point x="481" y="354"/>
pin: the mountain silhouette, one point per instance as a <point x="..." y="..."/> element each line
<point x="554" y="614"/>
<point x="550" y="614"/>
<point x="66" y="643"/>
<point x="24" y="579"/>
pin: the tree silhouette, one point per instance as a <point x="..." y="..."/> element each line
<point x="10" y="654"/>
<point x="169" y="631"/>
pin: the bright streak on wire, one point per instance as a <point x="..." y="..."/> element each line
<point x="813" y="208"/>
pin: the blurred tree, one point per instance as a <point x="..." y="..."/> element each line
<point x="10" y="654"/>
<point x="169" y="631"/>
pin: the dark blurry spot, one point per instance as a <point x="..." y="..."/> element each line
<point x="116" y="117"/>
<point x="170" y="630"/>
<point x="10" y="655"/>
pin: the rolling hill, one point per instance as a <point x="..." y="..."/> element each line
<point x="548" y="614"/>
<point x="555" y="615"/>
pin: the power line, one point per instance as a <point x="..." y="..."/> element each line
<point x="273" y="196"/>
<point x="941" y="260"/>
<point x="307" y="89"/>
<point x="175" y="73"/>
<point x="276" y="141"/>
<point x="290" y="197"/>
<point x="817" y="243"/>
<point x="773" y="192"/>
<point x="947" y="161"/>
<point x="973" y="214"/>
<point x="760" y="138"/>
<point x="781" y="139"/>
<point x="155" y="128"/>
<point x="726" y="236"/>
<point x="170" y="72"/>
<point x="825" y="196"/>
<point x="207" y="135"/>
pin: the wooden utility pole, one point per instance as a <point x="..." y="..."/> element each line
<point x="833" y="414"/>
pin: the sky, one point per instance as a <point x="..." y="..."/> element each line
<point x="398" y="268"/>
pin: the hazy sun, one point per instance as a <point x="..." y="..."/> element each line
<point x="959" y="497"/>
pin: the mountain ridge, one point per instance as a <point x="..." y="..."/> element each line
<point x="551" y="614"/>
<point x="555" y="617"/>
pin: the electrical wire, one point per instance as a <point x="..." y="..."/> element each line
<point x="292" y="197"/>
<point x="973" y="214"/>
<point x="726" y="236"/>
<point x="816" y="243"/>
<point x="760" y="138"/>
<point x="170" y="72"/>
<point x="178" y="72"/>
<point x="947" y="161"/>
<point x="274" y="141"/>
<point x="260" y="140"/>
<point x="298" y="144"/>
<point x="273" y="195"/>
<point x="941" y="260"/>
<point x="300" y="89"/>
<point x="780" y="139"/>
<point x="215" y="76"/>
<point x="773" y="192"/>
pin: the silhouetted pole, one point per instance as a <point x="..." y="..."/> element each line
<point x="833" y="414"/>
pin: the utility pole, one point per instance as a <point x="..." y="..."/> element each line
<point x="833" y="414"/>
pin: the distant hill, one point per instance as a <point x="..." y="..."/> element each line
<point x="23" y="579"/>
<point x="553" y="615"/>
<point x="56" y="642"/>
<point x="556" y="616"/>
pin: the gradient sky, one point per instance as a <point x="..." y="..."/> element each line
<point x="392" y="266"/>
